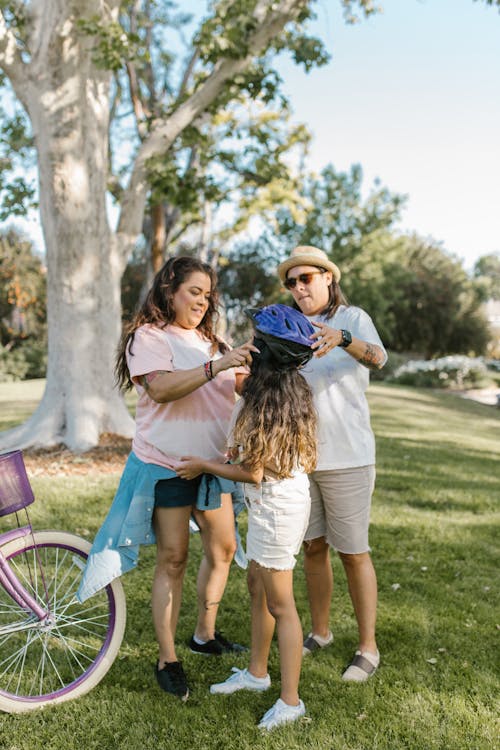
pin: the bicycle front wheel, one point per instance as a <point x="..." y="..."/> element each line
<point x="68" y="653"/>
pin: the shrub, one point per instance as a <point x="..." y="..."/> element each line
<point x="35" y="355"/>
<point x="456" y="371"/>
<point x="13" y="365"/>
<point x="28" y="360"/>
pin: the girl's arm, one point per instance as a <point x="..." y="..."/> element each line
<point x="190" y="467"/>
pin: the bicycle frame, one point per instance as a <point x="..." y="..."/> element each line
<point x="13" y="587"/>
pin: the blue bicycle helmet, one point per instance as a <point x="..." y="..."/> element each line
<point x="282" y="334"/>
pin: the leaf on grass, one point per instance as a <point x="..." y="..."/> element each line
<point x="432" y="661"/>
<point x="395" y="586"/>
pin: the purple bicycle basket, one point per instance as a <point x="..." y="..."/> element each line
<point x="15" y="489"/>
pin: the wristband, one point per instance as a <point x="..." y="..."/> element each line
<point x="207" y="368"/>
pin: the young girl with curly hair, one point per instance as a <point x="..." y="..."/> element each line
<point x="273" y="438"/>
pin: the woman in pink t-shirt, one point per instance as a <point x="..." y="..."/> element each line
<point x="186" y="381"/>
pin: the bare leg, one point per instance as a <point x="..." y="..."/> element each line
<point x="278" y="585"/>
<point x="362" y="583"/>
<point x="262" y="622"/>
<point x="319" y="582"/>
<point x="172" y="538"/>
<point x="219" y="545"/>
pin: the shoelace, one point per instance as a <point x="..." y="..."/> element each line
<point x="237" y="673"/>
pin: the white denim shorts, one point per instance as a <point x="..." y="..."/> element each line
<point x="340" y="508"/>
<point x="278" y="515"/>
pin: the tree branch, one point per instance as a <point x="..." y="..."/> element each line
<point x="187" y="73"/>
<point x="165" y="132"/>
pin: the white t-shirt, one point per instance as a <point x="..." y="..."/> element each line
<point x="194" y="425"/>
<point x="339" y="382"/>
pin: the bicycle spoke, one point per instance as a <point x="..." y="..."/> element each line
<point x="62" y="655"/>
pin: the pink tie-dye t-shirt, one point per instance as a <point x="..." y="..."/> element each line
<point x="195" y="425"/>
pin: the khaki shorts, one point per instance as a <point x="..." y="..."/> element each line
<point x="340" y="508"/>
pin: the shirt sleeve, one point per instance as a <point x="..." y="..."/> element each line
<point x="148" y="352"/>
<point x="362" y="327"/>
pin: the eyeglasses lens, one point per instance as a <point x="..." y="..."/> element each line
<point x="304" y="278"/>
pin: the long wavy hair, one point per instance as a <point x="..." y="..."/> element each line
<point x="158" y="310"/>
<point x="277" y="422"/>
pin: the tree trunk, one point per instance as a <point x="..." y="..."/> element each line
<point x="68" y="105"/>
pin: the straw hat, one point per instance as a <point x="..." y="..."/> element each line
<point x="307" y="255"/>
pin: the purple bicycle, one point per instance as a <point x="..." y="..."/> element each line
<point x="52" y="647"/>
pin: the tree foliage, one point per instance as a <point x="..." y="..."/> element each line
<point x="17" y="184"/>
<point x="438" y="307"/>
<point x="22" y="290"/>
<point x="234" y="160"/>
<point x="338" y="216"/>
<point x="487" y="273"/>
<point x="23" y="327"/>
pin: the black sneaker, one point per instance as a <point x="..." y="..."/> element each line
<point x="216" y="647"/>
<point x="172" y="679"/>
<point x="228" y="646"/>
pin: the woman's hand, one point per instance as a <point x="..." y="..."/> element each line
<point x="238" y="357"/>
<point x="369" y="355"/>
<point x="326" y="339"/>
<point x="188" y="467"/>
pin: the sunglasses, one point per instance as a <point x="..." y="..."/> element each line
<point x="304" y="278"/>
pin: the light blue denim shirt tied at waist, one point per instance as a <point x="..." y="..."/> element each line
<point x="129" y="522"/>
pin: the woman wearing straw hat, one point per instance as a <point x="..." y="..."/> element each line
<point x="347" y="345"/>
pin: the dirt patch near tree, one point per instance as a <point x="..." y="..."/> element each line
<point x="107" y="458"/>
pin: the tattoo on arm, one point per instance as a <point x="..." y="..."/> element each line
<point x="371" y="357"/>
<point x="147" y="379"/>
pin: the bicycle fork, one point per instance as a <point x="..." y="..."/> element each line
<point x="12" y="585"/>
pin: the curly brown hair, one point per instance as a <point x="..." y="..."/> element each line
<point x="158" y="310"/>
<point x="277" y="422"/>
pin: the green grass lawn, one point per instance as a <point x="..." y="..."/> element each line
<point x="433" y="537"/>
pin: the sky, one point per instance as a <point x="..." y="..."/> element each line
<point x="413" y="95"/>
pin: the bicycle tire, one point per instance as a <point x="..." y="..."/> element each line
<point x="65" y="658"/>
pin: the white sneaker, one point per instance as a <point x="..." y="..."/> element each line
<point x="281" y="713"/>
<point x="362" y="667"/>
<point x="241" y="680"/>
